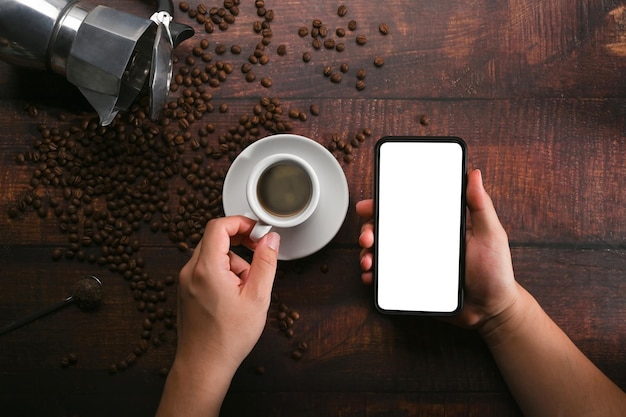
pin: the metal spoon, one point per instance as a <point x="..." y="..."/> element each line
<point x="87" y="293"/>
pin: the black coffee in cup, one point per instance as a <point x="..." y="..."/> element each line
<point x="284" y="189"/>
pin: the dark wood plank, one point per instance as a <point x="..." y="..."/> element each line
<point x="444" y="50"/>
<point x="553" y="167"/>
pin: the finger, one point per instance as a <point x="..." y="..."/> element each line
<point x="238" y="265"/>
<point x="263" y="268"/>
<point x="366" y="260"/>
<point x="367" y="278"/>
<point x="365" y="208"/>
<point x="213" y="251"/>
<point x="366" y="238"/>
<point x="223" y="232"/>
<point x="484" y="218"/>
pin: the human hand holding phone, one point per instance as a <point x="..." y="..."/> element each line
<point x="489" y="280"/>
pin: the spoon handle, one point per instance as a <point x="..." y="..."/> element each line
<point x="35" y="316"/>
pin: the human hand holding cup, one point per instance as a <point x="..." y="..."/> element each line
<point x="282" y="191"/>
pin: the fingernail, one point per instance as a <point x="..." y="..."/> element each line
<point x="273" y="240"/>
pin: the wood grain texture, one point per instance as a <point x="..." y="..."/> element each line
<point x="536" y="88"/>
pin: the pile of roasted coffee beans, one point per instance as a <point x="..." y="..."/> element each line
<point x="105" y="186"/>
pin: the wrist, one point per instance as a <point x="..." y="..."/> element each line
<point x="510" y="321"/>
<point x="195" y="387"/>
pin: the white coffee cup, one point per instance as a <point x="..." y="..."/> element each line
<point x="282" y="191"/>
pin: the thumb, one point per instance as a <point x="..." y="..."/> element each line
<point x="264" y="263"/>
<point x="482" y="212"/>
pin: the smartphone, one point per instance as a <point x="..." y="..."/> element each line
<point x="419" y="225"/>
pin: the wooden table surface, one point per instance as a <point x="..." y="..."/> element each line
<point x="535" y="87"/>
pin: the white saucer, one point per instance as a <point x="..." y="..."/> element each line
<point x="319" y="229"/>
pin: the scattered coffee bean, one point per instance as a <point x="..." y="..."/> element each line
<point x="383" y="28"/>
<point x="342" y="10"/>
<point x="424" y="120"/>
<point x="361" y="40"/>
<point x="379" y="61"/>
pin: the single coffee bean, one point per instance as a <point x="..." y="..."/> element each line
<point x="379" y="61"/>
<point x="57" y="254"/>
<point x="424" y="120"/>
<point x="383" y="28"/>
<point x="335" y="77"/>
<point x="306" y="57"/>
<point x="303" y="31"/>
<point x="360" y="85"/>
<point x="361" y="40"/>
<point x="266" y="82"/>
<point x="342" y="10"/>
<point x="352" y="25"/>
<point x="65" y="362"/>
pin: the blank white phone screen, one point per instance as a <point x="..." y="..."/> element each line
<point x="419" y="218"/>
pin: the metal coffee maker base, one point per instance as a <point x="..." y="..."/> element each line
<point x="109" y="55"/>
